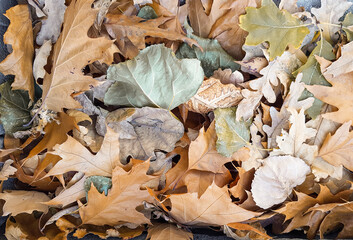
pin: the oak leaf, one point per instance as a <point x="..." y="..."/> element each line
<point x="23" y="202"/>
<point x="280" y="30"/>
<point x="342" y="65"/>
<point x="119" y="206"/>
<point x="212" y="95"/>
<point x="7" y="170"/>
<point x="76" y="157"/>
<point x="66" y="75"/>
<point x="168" y="231"/>
<point x="40" y="60"/>
<point x="19" y="63"/>
<point x="214" y="207"/>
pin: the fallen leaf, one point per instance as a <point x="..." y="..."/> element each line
<point x="280" y="30"/>
<point x="7" y="170"/>
<point x="76" y="157"/>
<point x="278" y="179"/>
<point x="289" y="5"/>
<point x="232" y="135"/>
<point x="23" y="202"/>
<point x="247" y="106"/>
<point x="249" y="227"/>
<point x="20" y="36"/>
<point x="168" y="231"/>
<point x="66" y="76"/>
<point x="119" y="206"/>
<point x="214" y="207"/>
<point x="346" y="26"/>
<point x="161" y="84"/>
<point x="40" y="60"/>
<point x="343" y="64"/>
<point x="51" y="26"/>
<point x="337" y="149"/>
<point x="212" y="95"/>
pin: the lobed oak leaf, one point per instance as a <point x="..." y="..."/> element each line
<point x="214" y="207"/>
<point x="278" y="27"/>
<point x="119" y="206"/>
<point x="66" y="75"/>
<point x="19" y="63"/>
<point x="279" y="175"/>
<point x="168" y="231"/>
<point x="23" y="202"/>
<point x="76" y="157"/>
<point x="212" y="95"/>
<point x="338" y="148"/>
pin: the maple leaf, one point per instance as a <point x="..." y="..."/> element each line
<point x="212" y="95"/>
<point x="338" y="95"/>
<point x="168" y="231"/>
<point x="66" y="76"/>
<point x="268" y="23"/>
<point x="161" y="84"/>
<point x="76" y="157"/>
<point x="337" y="149"/>
<point x="23" y="202"/>
<point x="119" y="206"/>
<point x="19" y="63"/>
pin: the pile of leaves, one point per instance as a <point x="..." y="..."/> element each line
<point x="168" y="116"/>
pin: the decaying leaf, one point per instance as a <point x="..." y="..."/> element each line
<point x="212" y="95"/>
<point x="40" y="60"/>
<point x="280" y="30"/>
<point x="274" y="181"/>
<point x="19" y="62"/>
<point x="161" y="84"/>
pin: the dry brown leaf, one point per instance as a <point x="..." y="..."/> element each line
<point x="214" y="207"/>
<point x="339" y="95"/>
<point x="212" y="95"/>
<point x="259" y="233"/>
<point x="226" y="29"/>
<point x="23" y="202"/>
<point x="76" y="157"/>
<point x="66" y="75"/>
<point x="338" y="149"/>
<point x="40" y="60"/>
<point x="135" y="29"/>
<point x="243" y="184"/>
<point x="168" y="231"/>
<point x="7" y="170"/>
<point x="119" y="206"/>
<point x="20" y="36"/>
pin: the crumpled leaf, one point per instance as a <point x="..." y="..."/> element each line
<point x="330" y="12"/>
<point x="278" y="27"/>
<point x="40" y="60"/>
<point x="23" y="202"/>
<point x="248" y="104"/>
<point x="312" y="74"/>
<point x="337" y="149"/>
<point x="144" y="131"/>
<point x="7" y="170"/>
<point x="76" y="157"/>
<point x="155" y="78"/>
<point x="343" y="64"/>
<point x="212" y="95"/>
<point x="51" y="26"/>
<point x="168" y="231"/>
<point x="14" y="108"/>
<point x="277" y="71"/>
<point x="339" y="95"/>
<point x="212" y="55"/>
<point x="119" y="206"/>
<point x="214" y="207"/>
<point x="232" y="134"/>
<point x="274" y="181"/>
<point x="66" y="75"/>
<point x="20" y="36"/>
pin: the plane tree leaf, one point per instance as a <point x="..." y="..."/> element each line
<point x="278" y="27"/>
<point x="154" y="78"/>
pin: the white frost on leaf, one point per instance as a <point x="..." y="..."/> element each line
<point x="274" y="181"/>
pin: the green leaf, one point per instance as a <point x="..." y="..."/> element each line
<point x="14" y="110"/>
<point x="147" y="13"/>
<point x="154" y="78"/>
<point x="231" y="134"/>
<point x="268" y="23"/>
<point x="212" y="57"/>
<point x="347" y="22"/>
<point x="312" y="74"/>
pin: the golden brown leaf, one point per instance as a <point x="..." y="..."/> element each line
<point x="20" y="36"/>
<point x="168" y="231"/>
<point x="72" y="52"/>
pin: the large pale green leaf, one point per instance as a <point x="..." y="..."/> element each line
<point x="312" y="74"/>
<point x="14" y="110"/>
<point x="154" y="78"/>
<point x="212" y="57"/>
<point x="278" y="27"/>
<point x="347" y="26"/>
<point x="231" y="134"/>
